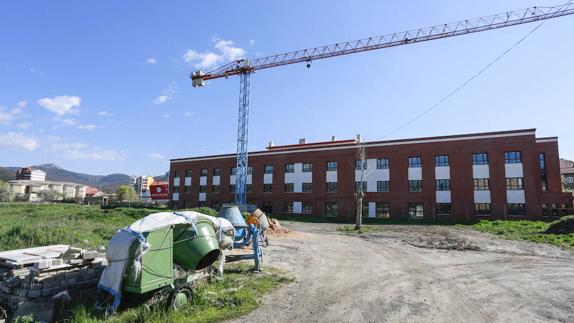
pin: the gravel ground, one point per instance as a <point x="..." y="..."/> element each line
<point x="416" y="274"/>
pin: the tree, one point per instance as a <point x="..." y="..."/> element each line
<point x="360" y="189"/>
<point x="6" y="194"/>
<point x="127" y="193"/>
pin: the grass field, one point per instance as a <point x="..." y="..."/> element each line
<point x="237" y="293"/>
<point x="525" y="230"/>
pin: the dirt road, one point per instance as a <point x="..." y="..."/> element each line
<point x="416" y="274"/>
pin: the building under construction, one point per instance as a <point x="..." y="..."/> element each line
<point x="492" y="175"/>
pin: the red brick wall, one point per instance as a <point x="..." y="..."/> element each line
<point x="460" y="159"/>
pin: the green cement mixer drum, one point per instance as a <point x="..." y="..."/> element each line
<point x="195" y="250"/>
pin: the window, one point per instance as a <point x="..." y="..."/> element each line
<point x="201" y="204"/>
<point x="415" y="186"/>
<point x="306" y="207"/>
<point x="249" y="170"/>
<point x="215" y="188"/>
<point x="331" y="209"/>
<point x="416" y="210"/>
<point x="442" y="184"/>
<point x="231" y="188"/>
<point x="382" y="163"/>
<point x="543" y="177"/>
<point x="188" y="173"/>
<point x="288" y="207"/>
<point x="248" y="188"/>
<point x="176" y="189"/>
<point x="480" y="159"/>
<point x="233" y="171"/>
<point x="289" y="187"/>
<point x="481" y="184"/>
<point x="175" y="204"/>
<point x="203" y="172"/>
<point x="443" y="208"/>
<point x="383" y="209"/>
<point x="358" y="164"/>
<point x="331" y="166"/>
<point x="186" y="204"/>
<point x="307" y="167"/>
<point x="383" y="186"/>
<point x="358" y="186"/>
<point x="176" y="174"/>
<point x="514" y="183"/>
<point x="289" y="168"/>
<point x="331" y="187"/>
<point x="267" y="188"/>
<point x="569" y="179"/>
<point x="441" y="160"/>
<point x="365" y="209"/>
<point x="482" y="208"/>
<point x="268" y="169"/>
<point x="415" y="162"/>
<point x="187" y="188"/>
<point x="512" y="157"/>
<point x="216" y="171"/>
<point x="267" y="207"/>
<point x="516" y="209"/>
<point x="201" y="188"/>
<point x="307" y="187"/>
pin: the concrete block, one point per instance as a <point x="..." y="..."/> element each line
<point x="22" y="292"/>
<point x="71" y="281"/>
<point x="43" y="264"/>
<point x="48" y="291"/>
<point x="89" y="254"/>
<point x="34" y="286"/>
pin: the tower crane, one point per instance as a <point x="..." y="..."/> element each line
<point x="245" y="67"/>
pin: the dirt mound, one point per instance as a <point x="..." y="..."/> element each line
<point x="275" y="227"/>
<point x="562" y="226"/>
<point x="443" y="243"/>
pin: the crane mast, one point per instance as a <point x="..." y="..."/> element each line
<point x="244" y="67"/>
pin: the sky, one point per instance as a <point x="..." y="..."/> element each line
<point x="103" y="87"/>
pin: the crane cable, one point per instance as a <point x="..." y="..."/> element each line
<point x="460" y="87"/>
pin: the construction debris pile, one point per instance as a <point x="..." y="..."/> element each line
<point x="34" y="280"/>
<point x="275" y="227"/>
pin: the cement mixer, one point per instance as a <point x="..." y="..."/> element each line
<point x="162" y="255"/>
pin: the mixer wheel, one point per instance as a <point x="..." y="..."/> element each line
<point x="179" y="297"/>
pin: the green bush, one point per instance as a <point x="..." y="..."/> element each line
<point x="563" y="226"/>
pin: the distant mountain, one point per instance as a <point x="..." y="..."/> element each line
<point x="108" y="183"/>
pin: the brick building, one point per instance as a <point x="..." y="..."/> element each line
<point x="495" y="174"/>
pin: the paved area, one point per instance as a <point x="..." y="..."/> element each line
<point x="416" y="274"/>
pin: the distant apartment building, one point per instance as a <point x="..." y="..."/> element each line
<point x="141" y="184"/>
<point x="34" y="191"/>
<point x="567" y="171"/>
<point x="31" y="174"/>
<point x="484" y="175"/>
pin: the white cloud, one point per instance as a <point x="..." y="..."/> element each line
<point x="151" y="60"/>
<point x="189" y="114"/>
<point x="225" y="51"/>
<point x="7" y="115"/>
<point x="252" y="42"/>
<point x="71" y="122"/>
<point x="24" y="125"/>
<point x="166" y="95"/>
<point x="156" y="155"/>
<point x="103" y="113"/>
<point x="17" y="140"/>
<point x="61" y="105"/>
<point x="83" y="151"/>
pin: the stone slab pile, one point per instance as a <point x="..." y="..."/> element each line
<point x="32" y="280"/>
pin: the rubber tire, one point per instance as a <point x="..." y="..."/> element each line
<point x="179" y="297"/>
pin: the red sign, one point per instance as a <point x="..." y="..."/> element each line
<point x="159" y="191"/>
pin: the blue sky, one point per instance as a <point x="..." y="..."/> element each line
<point x="103" y="86"/>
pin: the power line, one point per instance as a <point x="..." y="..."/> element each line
<point x="460" y="87"/>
